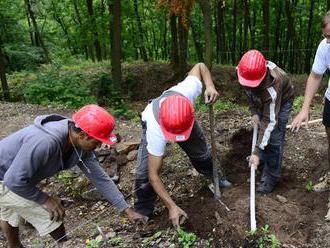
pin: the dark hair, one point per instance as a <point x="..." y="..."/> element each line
<point x="74" y="128"/>
<point x="325" y="20"/>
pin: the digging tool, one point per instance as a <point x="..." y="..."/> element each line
<point x="216" y="192"/>
<point x="252" y="184"/>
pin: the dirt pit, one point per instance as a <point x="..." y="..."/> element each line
<point x="292" y="213"/>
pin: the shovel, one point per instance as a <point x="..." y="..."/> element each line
<point x="216" y="191"/>
<point x="252" y="184"/>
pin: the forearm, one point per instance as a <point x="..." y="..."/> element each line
<point x="159" y="188"/>
<point x="206" y="75"/>
<point x="312" y="85"/>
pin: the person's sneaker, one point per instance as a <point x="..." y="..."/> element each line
<point x="266" y="187"/>
<point x="224" y="183"/>
<point x="323" y="185"/>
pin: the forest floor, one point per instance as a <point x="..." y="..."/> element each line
<point x="293" y="214"/>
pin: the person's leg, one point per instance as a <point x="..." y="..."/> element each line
<point x="11" y="233"/>
<point x="144" y="192"/>
<point x="324" y="184"/>
<point x="273" y="153"/>
<point x="200" y="155"/>
<point x="59" y="234"/>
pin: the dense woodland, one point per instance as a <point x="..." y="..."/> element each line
<point x="177" y="32"/>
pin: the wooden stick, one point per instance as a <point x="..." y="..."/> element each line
<point x="217" y="193"/>
<point x="252" y="184"/>
<point x="304" y="123"/>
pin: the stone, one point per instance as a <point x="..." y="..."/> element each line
<point x="121" y="159"/>
<point x="281" y="199"/>
<point x="92" y="195"/>
<point x="126" y="147"/>
<point x="132" y="155"/>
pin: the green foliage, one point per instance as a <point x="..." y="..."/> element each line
<point x="116" y="241"/>
<point x="218" y="106"/>
<point x="55" y="88"/>
<point x="186" y="239"/>
<point x="93" y="243"/>
<point x="309" y="186"/>
<point x="263" y="238"/>
<point x="297" y="103"/>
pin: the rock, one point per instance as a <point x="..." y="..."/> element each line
<point x="121" y="159"/>
<point x="132" y="155"/>
<point x="281" y="199"/>
<point x="102" y="152"/>
<point x="101" y="159"/>
<point x="112" y="169"/>
<point x="126" y="147"/>
<point x="111" y="234"/>
<point x="92" y="195"/>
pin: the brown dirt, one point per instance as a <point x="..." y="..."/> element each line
<point x="298" y="222"/>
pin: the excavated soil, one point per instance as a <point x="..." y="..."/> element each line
<point x="293" y="214"/>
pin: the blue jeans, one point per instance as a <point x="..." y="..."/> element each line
<point x="196" y="149"/>
<point x="271" y="156"/>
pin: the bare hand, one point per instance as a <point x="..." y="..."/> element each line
<point x="211" y="95"/>
<point x="299" y="119"/>
<point x="177" y="216"/>
<point x="135" y="217"/>
<point x="255" y="120"/>
<point x="55" y="208"/>
<point x="254" y="161"/>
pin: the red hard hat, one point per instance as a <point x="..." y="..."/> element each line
<point x="176" y="117"/>
<point x="251" y="69"/>
<point x="96" y="122"/>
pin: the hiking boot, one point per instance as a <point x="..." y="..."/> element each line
<point x="324" y="184"/>
<point x="266" y="187"/>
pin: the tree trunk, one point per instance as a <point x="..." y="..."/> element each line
<point x="266" y="25"/>
<point x="246" y="24"/>
<point x="277" y="32"/>
<point x="174" y="41"/>
<point x="290" y="34"/>
<point x="33" y="42"/>
<point x="115" y="38"/>
<point x="207" y="10"/>
<point x="183" y="44"/>
<point x="221" y="31"/>
<point x="253" y="26"/>
<point x="38" y="37"/>
<point x="4" y="84"/>
<point x="140" y="42"/>
<point x="96" y="41"/>
<point x="309" y="38"/>
<point x="233" y="48"/>
<point x="328" y="5"/>
<point x="165" y="52"/>
<point x="77" y="13"/>
<point x="198" y="45"/>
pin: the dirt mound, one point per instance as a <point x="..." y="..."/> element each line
<point x="292" y="213"/>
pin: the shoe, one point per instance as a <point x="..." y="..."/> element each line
<point x="327" y="217"/>
<point x="224" y="183"/>
<point x="323" y="185"/>
<point x="266" y="187"/>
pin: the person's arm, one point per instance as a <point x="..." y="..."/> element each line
<point x="201" y="71"/>
<point x="312" y="85"/>
<point x="106" y="186"/>
<point x="175" y="213"/>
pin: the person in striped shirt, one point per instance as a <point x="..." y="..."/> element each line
<point x="270" y="97"/>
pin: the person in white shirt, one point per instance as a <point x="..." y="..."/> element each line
<point x="171" y="117"/>
<point x="320" y="65"/>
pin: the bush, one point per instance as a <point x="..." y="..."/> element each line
<point x="52" y="88"/>
<point x="22" y="57"/>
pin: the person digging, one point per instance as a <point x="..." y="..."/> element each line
<point x="320" y="65"/>
<point x="270" y="97"/>
<point x="52" y="144"/>
<point x="171" y="118"/>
